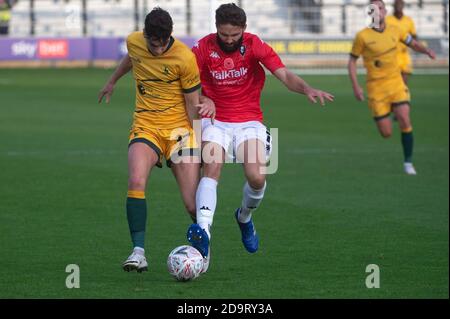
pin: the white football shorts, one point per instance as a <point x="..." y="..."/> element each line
<point x="231" y="135"/>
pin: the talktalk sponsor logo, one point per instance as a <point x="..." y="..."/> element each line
<point x="231" y="74"/>
<point x="23" y="48"/>
<point x="53" y="49"/>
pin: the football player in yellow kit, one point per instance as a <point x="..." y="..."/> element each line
<point x="385" y="87"/>
<point x="167" y="100"/>
<point x="406" y="23"/>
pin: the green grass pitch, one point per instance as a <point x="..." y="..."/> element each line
<point x="339" y="201"/>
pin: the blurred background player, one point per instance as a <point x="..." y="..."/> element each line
<point x="5" y="15"/>
<point x="407" y="24"/>
<point x="167" y="100"/>
<point x="232" y="77"/>
<point x="387" y="91"/>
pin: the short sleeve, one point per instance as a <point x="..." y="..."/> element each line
<point x="266" y="55"/>
<point x="405" y="37"/>
<point x="198" y="55"/>
<point x="412" y="30"/>
<point x="190" y="76"/>
<point x="358" y="46"/>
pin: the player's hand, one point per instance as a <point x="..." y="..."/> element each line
<point x="431" y="54"/>
<point x="207" y="108"/>
<point x="106" y="92"/>
<point x="314" y="94"/>
<point x="359" y="93"/>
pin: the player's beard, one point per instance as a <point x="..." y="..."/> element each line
<point x="229" y="49"/>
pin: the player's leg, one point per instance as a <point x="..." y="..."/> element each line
<point x="182" y="152"/>
<point x="402" y="111"/>
<point x="381" y="111"/>
<point x="215" y="142"/>
<point x="184" y="160"/>
<point x="142" y="156"/>
<point x="252" y="153"/>
<point x="384" y="125"/>
<point x="206" y="197"/>
<point x="199" y="233"/>
<point x="400" y="104"/>
<point x="187" y="175"/>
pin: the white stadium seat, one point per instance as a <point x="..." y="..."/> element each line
<point x="269" y="18"/>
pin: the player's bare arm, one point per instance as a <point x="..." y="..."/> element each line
<point x="357" y="90"/>
<point x="296" y="84"/>
<point x="198" y="106"/>
<point x="419" y="47"/>
<point x="192" y="99"/>
<point x="123" y="68"/>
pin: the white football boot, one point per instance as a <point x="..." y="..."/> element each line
<point x="136" y="262"/>
<point x="409" y="169"/>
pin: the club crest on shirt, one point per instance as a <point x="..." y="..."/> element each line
<point x="166" y="70"/>
<point x="242" y="50"/>
<point x="228" y="63"/>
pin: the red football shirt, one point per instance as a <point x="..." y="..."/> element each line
<point x="234" y="81"/>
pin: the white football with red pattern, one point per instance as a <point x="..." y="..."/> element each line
<point x="185" y="263"/>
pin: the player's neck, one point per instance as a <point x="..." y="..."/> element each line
<point x="398" y="15"/>
<point x="381" y="28"/>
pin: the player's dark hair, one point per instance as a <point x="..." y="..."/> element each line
<point x="158" y="24"/>
<point x="231" y="14"/>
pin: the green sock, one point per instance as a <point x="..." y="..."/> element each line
<point x="137" y="219"/>
<point x="407" y="143"/>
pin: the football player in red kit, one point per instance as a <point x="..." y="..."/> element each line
<point x="233" y="78"/>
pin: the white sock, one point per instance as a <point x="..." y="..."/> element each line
<point x="251" y="200"/>
<point x="139" y="251"/>
<point x="206" y="200"/>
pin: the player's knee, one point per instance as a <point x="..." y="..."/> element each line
<point x="257" y="181"/>
<point x="385" y="131"/>
<point x="212" y="170"/>
<point x="404" y="122"/>
<point x="136" y="183"/>
<point x="386" y="134"/>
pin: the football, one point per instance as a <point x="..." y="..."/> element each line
<point x="185" y="263"/>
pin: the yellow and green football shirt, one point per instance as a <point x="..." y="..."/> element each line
<point x="406" y="24"/>
<point x="379" y="51"/>
<point x="161" y="82"/>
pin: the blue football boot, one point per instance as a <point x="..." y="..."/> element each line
<point x="249" y="237"/>
<point x="199" y="239"/>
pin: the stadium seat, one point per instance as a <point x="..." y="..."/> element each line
<point x="270" y="18"/>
